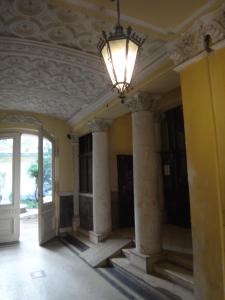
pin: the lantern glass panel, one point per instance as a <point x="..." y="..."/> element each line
<point x="131" y="59"/>
<point x="118" y="50"/>
<point x="108" y="62"/>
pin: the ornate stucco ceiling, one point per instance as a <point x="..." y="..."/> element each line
<point x="49" y="62"/>
<point x="48" y="58"/>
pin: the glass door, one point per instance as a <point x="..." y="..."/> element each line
<point x="47" y="222"/>
<point x="9" y="187"/>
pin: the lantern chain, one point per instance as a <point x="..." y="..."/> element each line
<point x="118" y="11"/>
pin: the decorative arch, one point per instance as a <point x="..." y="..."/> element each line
<point x="21" y="119"/>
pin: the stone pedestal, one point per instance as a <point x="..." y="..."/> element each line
<point x="102" y="220"/>
<point x="76" y="223"/>
<point x="97" y="238"/>
<point x="145" y="165"/>
<point x="144" y="262"/>
<point x="75" y="149"/>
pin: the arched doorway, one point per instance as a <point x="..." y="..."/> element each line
<point x="10" y="188"/>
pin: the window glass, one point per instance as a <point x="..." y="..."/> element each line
<point x="47" y="171"/>
<point x="6" y="171"/>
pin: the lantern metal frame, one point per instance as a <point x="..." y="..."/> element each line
<point x="120" y="34"/>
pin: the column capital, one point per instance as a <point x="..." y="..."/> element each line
<point x="142" y="101"/>
<point x="98" y="125"/>
<point x="205" y="34"/>
<point x="74" y="137"/>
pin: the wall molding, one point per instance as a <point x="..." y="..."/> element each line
<point x="138" y="22"/>
<point x="190" y="46"/>
<point x="21" y="119"/>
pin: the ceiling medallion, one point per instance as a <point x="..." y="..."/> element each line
<point x="119" y="51"/>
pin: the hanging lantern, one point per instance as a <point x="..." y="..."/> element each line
<point x="119" y="51"/>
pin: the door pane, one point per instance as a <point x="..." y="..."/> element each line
<point x="29" y="170"/>
<point x="6" y="171"/>
<point x="47" y="170"/>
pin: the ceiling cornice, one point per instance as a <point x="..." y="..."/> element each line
<point x="191" y="46"/>
<point x="169" y="31"/>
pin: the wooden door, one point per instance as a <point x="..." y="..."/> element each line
<point x="46" y="191"/>
<point x="9" y="187"/>
<point x="176" y="191"/>
<point x="125" y="186"/>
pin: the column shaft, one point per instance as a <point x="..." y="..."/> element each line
<point x="102" y="219"/>
<point x="147" y="208"/>
<point x="101" y="187"/>
<point x="158" y="119"/>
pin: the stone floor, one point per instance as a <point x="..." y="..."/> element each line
<point x="28" y="271"/>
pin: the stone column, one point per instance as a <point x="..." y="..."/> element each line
<point x="158" y="119"/>
<point x="75" y="151"/>
<point x="101" y="184"/>
<point x="145" y="164"/>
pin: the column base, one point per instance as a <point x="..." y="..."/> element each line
<point x="76" y="223"/>
<point x="144" y="262"/>
<point x="97" y="237"/>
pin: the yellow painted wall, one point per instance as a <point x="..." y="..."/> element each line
<point x="59" y="129"/>
<point x="120" y="142"/>
<point x="203" y="91"/>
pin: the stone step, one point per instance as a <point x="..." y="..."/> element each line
<point x="175" y="273"/>
<point x="159" y="283"/>
<point x="126" y="252"/>
<point x="133" y="288"/>
<point x="181" y="259"/>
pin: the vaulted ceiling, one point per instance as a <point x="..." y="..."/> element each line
<point x="48" y="57"/>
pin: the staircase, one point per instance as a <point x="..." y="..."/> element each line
<point x="174" y="273"/>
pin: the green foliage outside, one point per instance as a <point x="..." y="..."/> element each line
<point x="30" y="203"/>
<point x="47" y="172"/>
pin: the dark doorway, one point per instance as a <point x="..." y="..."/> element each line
<point x="126" y="194"/>
<point x="176" y="192"/>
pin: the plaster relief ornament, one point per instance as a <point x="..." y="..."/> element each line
<point x="21" y="119"/>
<point x="98" y="125"/>
<point x="142" y="101"/>
<point x="60" y="34"/>
<point x="24" y="28"/>
<point x="30" y="7"/>
<point x="66" y="15"/>
<point x="210" y="28"/>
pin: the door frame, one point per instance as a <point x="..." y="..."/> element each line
<point x="48" y="209"/>
<point x="16" y="183"/>
<point x="11" y="212"/>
